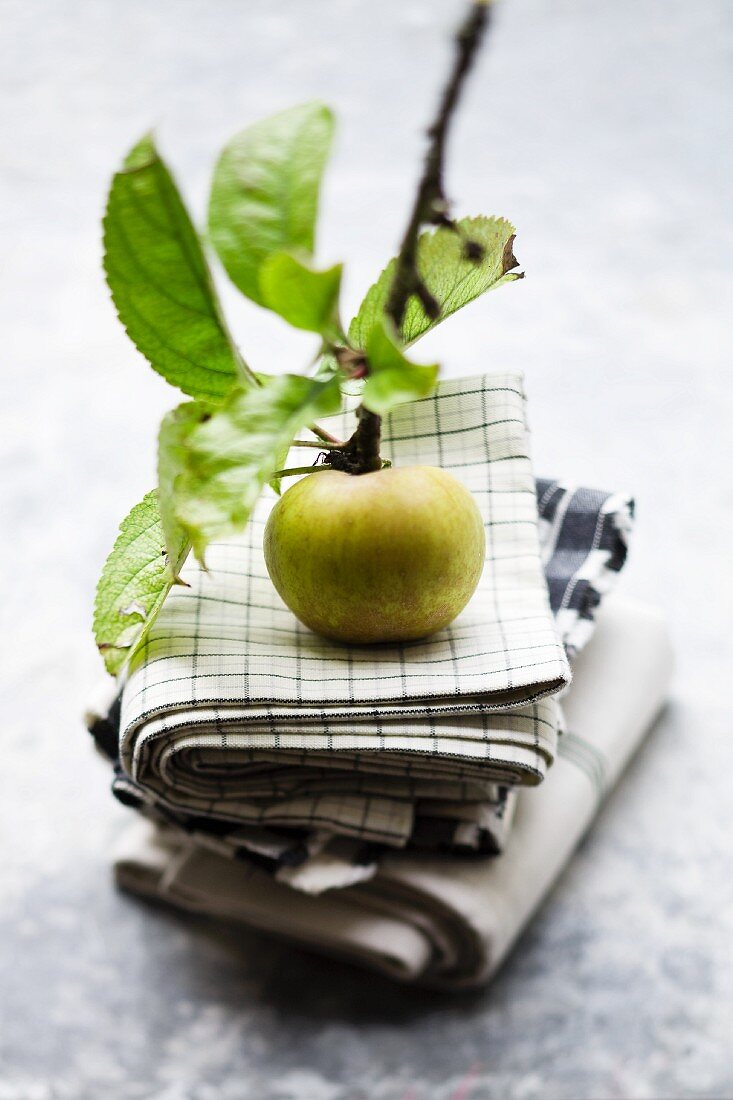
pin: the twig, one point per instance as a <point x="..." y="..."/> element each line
<point x="319" y="443"/>
<point x="324" y="435"/>
<point x="430" y="208"/>
<point x="431" y="205"/>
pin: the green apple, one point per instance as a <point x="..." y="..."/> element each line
<point x="388" y="556"/>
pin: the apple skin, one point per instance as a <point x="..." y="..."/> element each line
<point x="388" y="556"/>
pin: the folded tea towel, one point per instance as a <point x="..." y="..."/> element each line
<point x="581" y="554"/>
<point x="446" y="921"/>
<point x="584" y="536"/>
<point x="235" y="711"/>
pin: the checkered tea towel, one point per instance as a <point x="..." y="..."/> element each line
<point x="234" y="710"/>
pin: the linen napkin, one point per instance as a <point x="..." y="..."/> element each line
<point x="443" y="921"/>
<point x="235" y="712"/>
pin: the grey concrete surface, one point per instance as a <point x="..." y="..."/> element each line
<point x="605" y="132"/>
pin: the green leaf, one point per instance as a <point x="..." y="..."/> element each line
<point x="217" y="464"/>
<point x="392" y="378"/>
<point x="303" y="297"/>
<point x="135" y="581"/>
<point x="172" y="454"/>
<point x="160" y="281"/>
<point x="327" y="367"/>
<point x="451" y="278"/>
<point x="264" y="195"/>
<point x="276" y="483"/>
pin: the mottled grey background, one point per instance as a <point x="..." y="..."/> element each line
<point x="605" y="131"/>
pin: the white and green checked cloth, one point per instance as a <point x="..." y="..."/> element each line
<point x="235" y="710"/>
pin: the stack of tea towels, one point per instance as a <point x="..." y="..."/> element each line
<point x="370" y="801"/>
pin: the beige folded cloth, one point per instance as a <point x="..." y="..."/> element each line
<point x="445" y="921"/>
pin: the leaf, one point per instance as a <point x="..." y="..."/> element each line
<point x="135" y="581"/>
<point x="451" y="278"/>
<point x="173" y="431"/>
<point x="223" y="460"/>
<point x="392" y="378"/>
<point x="327" y="366"/>
<point x="276" y="483"/>
<point x="160" y="282"/>
<point x="303" y="297"/>
<point x="264" y="195"/>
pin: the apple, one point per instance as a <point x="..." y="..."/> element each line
<point x="387" y="556"/>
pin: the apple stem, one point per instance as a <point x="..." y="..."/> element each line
<point x="366" y="440"/>
<point x="360" y="454"/>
